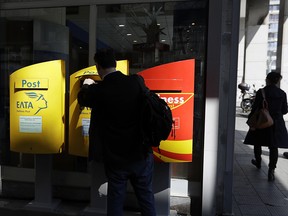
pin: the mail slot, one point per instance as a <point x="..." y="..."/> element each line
<point x="79" y="117"/>
<point x="37" y="101"/>
<point x="174" y="82"/>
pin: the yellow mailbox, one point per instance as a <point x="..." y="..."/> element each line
<point x="79" y="118"/>
<point x="37" y="101"/>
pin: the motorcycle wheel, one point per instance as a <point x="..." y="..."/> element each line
<point x="246" y="105"/>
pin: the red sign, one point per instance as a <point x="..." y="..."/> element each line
<point x="174" y="82"/>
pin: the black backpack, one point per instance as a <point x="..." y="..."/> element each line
<point x="156" y="116"/>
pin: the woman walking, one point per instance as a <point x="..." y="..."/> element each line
<point x="273" y="137"/>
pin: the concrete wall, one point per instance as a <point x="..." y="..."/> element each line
<point x="284" y="66"/>
<point x="253" y="44"/>
<point x="256" y="55"/>
<point x="284" y="62"/>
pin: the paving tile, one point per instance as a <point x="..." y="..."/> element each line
<point x="275" y="201"/>
<point x="271" y="193"/>
<point x="241" y="183"/>
<point x="278" y="211"/>
<point x="254" y="210"/>
<point x="244" y="190"/>
<point x="236" y="210"/>
<point x="264" y="184"/>
<point x="248" y="199"/>
<point x="284" y="192"/>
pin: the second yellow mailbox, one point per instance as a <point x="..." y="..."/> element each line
<point x="79" y="118"/>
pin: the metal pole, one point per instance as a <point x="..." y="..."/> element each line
<point x="43" y="184"/>
<point x="234" y="9"/>
<point x="92" y="33"/>
<point x="98" y="190"/>
<point x="161" y="181"/>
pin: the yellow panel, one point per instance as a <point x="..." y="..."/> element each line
<point x="177" y="146"/>
<point x="122" y="66"/>
<point x="79" y="119"/>
<point x="90" y="71"/>
<point x="37" y="101"/>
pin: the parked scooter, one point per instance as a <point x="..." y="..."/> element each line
<point x="248" y="98"/>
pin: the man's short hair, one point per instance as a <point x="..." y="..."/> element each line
<point x="105" y="58"/>
<point x="274" y="77"/>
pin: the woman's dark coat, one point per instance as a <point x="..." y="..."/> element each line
<point x="276" y="135"/>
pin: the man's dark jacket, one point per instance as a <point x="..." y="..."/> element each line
<point x="114" y="132"/>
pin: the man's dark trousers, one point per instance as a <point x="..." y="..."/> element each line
<point x="140" y="175"/>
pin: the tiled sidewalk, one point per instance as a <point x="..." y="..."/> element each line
<point x="253" y="194"/>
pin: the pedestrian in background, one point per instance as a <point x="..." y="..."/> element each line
<point x="273" y="137"/>
<point x="116" y="136"/>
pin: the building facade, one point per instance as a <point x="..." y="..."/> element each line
<point x="148" y="34"/>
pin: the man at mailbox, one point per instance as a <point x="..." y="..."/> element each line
<point x="115" y="134"/>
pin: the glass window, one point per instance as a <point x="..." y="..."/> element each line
<point x="274" y="17"/>
<point x="274" y="7"/>
<point x="146" y="34"/>
<point x="31" y="36"/>
<point x="176" y="31"/>
<point x="273" y="27"/>
<point x="152" y="34"/>
<point x="77" y="20"/>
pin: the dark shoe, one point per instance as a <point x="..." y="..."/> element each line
<point x="285" y="154"/>
<point x="271" y="176"/>
<point x="256" y="163"/>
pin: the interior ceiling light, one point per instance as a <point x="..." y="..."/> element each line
<point x="128" y="34"/>
<point x="193" y="24"/>
<point x="121" y="25"/>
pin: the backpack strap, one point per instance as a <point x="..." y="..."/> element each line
<point x="144" y="92"/>
<point x="141" y="82"/>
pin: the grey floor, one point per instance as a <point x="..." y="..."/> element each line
<point x="253" y="194"/>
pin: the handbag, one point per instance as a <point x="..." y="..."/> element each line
<point x="261" y="118"/>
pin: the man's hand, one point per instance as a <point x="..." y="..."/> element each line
<point x="88" y="81"/>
